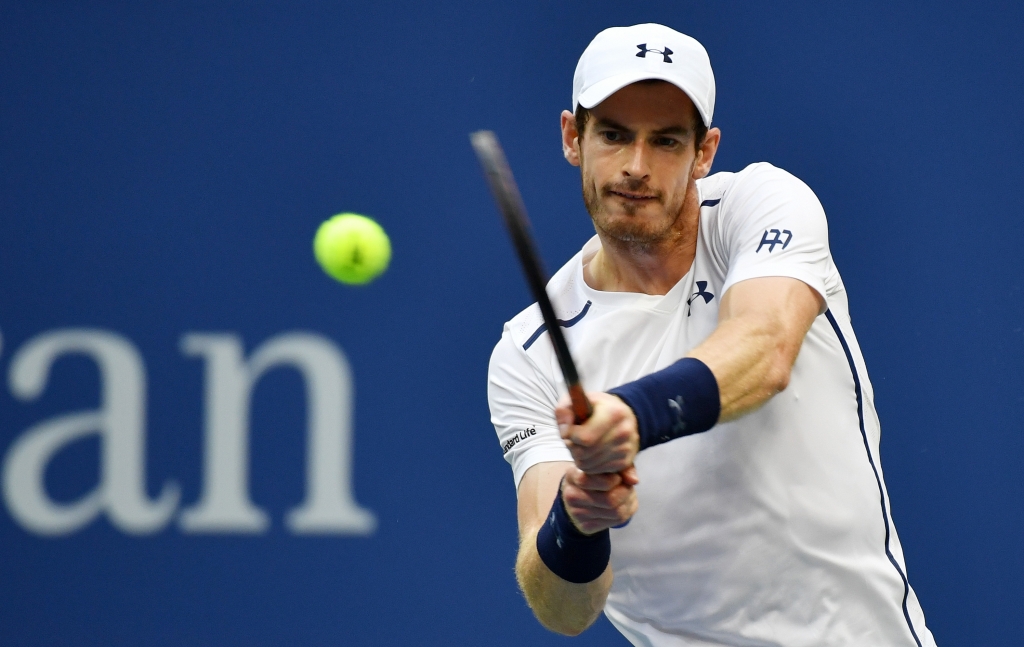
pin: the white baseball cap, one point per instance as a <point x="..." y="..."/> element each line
<point x="622" y="55"/>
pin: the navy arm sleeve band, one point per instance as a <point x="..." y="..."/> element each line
<point x="567" y="552"/>
<point x="678" y="400"/>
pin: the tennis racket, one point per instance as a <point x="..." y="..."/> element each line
<point x="510" y="204"/>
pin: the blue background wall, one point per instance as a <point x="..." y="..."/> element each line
<point x="163" y="169"/>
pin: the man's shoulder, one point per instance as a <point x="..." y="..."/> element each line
<point x="746" y="195"/>
<point x="567" y="299"/>
<point x="716" y="187"/>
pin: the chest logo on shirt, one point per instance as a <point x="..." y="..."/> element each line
<point x="702" y="292"/>
<point x="772" y="242"/>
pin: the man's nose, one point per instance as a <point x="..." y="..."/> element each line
<point x="638" y="163"/>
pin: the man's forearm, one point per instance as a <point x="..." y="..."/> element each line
<point x="761" y="328"/>
<point x="749" y="364"/>
<point x="561" y="606"/>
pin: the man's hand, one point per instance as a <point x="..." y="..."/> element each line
<point x="599" y="501"/>
<point x="560" y="605"/>
<point x="606" y="443"/>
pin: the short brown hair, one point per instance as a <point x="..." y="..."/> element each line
<point x="700" y="131"/>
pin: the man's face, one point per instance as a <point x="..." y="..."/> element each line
<point x="637" y="159"/>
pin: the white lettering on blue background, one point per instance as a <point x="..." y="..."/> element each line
<point x="119" y="422"/>
<point x="224" y="505"/>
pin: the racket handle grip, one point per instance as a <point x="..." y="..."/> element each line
<point x="581" y="407"/>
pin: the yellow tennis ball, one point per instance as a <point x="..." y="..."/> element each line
<point x="352" y="248"/>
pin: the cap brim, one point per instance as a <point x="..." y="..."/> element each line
<point x="605" y="88"/>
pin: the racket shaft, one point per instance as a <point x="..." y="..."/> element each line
<point x="513" y="211"/>
<point x="581" y="407"/>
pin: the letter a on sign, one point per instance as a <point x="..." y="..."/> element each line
<point x="119" y="422"/>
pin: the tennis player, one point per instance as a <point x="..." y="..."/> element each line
<point x="728" y="489"/>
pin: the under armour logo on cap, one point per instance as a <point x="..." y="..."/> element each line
<point x="643" y="52"/>
<point x="606" y="66"/>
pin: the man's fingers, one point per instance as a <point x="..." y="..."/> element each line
<point x="593" y="511"/>
<point x="615" y="515"/>
<point x="592" y="482"/>
<point x="606" y="499"/>
<point x="607" y="442"/>
<point x="564" y="415"/>
<point x="601" y="459"/>
<point x="607" y="460"/>
<point x="595" y="429"/>
<point x="630" y="476"/>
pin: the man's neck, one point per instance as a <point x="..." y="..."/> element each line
<point x="649" y="269"/>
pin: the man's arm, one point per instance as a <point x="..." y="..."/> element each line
<point x="761" y="326"/>
<point x="594" y="503"/>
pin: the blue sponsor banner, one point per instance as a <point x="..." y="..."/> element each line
<point x="205" y="440"/>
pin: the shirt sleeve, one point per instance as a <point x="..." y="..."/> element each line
<point x="522" y="402"/>
<point x="773" y="225"/>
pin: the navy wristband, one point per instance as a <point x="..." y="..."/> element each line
<point x="678" y="400"/>
<point x="567" y="552"/>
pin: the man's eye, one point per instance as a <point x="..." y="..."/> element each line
<point x="667" y="142"/>
<point x="612" y="136"/>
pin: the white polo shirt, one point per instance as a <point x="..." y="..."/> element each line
<point x="772" y="529"/>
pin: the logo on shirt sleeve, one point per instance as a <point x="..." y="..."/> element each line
<point x="777" y="240"/>
<point x="514" y="440"/>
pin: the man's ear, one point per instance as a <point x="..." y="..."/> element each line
<point x="570" y="138"/>
<point x="706" y="153"/>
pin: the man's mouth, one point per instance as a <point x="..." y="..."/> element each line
<point x="632" y="195"/>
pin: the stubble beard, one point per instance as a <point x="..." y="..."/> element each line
<point x="634" y="233"/>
